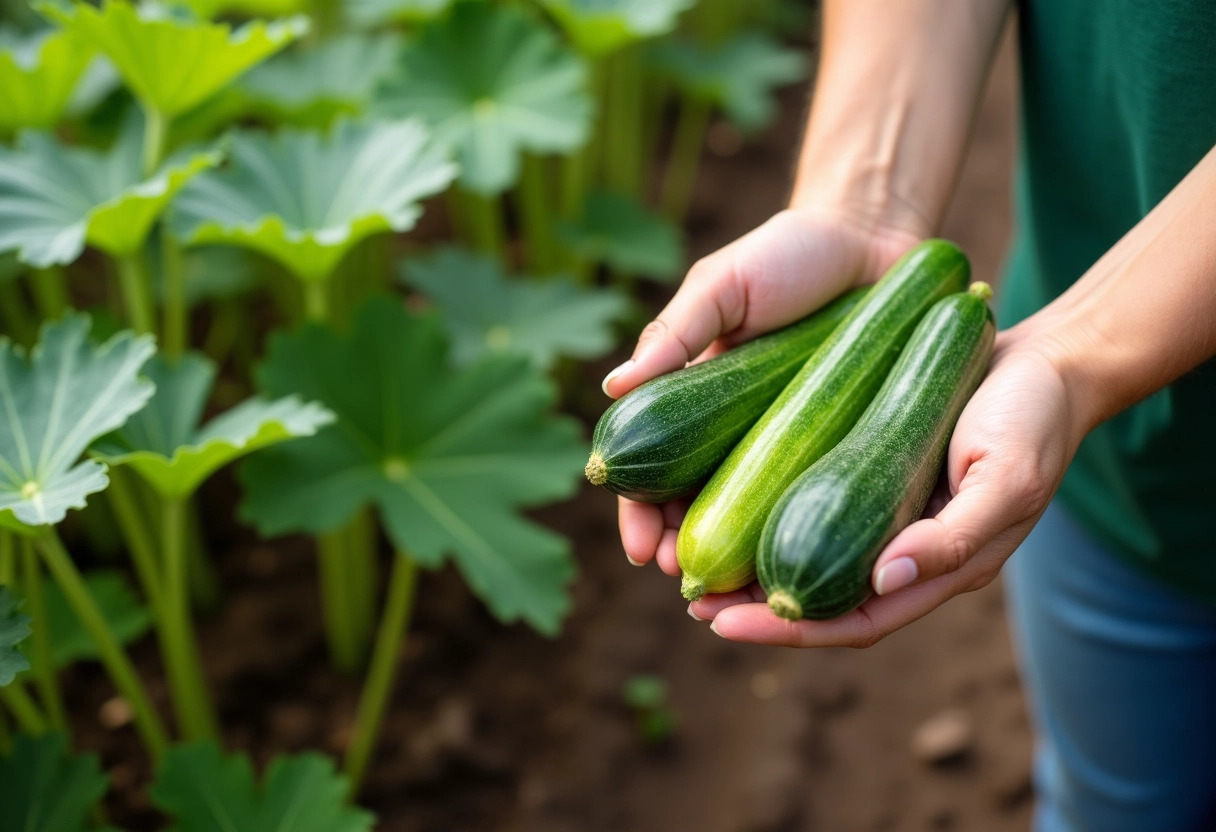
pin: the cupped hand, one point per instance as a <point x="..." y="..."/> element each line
<point x="785" y="269"/>
<point x="1006" y="459"/>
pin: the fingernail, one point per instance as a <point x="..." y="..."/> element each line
<point x="693" y="615"/>
<point x="634" y="562"/>
<point x="895" y="575"/>
<point x="621" y="369"/>
<point x="714" y="626"/>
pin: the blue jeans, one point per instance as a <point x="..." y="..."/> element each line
<point x="1120" y="671"/>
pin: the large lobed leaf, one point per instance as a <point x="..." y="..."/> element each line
<point x="447" y="455"/>
<point x="492" y="82"/>
<point x="204" y="791"/>
<point x="173" y="63"/>
<point x="370" y="13"/>
<point x="313" y="86"/>
<point x="43" y="789"/>
<point x="619" y="232"/>
<point x="38" y="74"/>
<point x="54" y="199"/>
<point x="209" y="9"/>
<point x="599" y="27"/>
<point x="739" y="75"/>
<point x="486" y="311"/>
<point x="55" y="403"/>
<point x="306" y="199"/>
<point x="165" y="444"/>
<point x="14" y="628"/>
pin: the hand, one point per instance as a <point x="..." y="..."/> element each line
<point x="785" y="269"/>
<point x="1006" y="458"/>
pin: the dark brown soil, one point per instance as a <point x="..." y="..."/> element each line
<point x="496" y="728"/>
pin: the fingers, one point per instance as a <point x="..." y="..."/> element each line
<point x="709" y="303"/>
<point x="990" y="507"/>
<point x="641" y="526"/>
<point x="710" y="605"/>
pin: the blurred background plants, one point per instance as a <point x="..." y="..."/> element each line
<point x="363" y="244"/>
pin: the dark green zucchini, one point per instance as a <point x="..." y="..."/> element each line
<point x="665" y="438"/>
<point x="825" y="533"/>
<point x="716" y="546"/>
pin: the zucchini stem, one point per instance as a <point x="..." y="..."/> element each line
<point x="981" y="290"/>
<point x="596" y="471"/>
<point x="785" y="605"/>
<point x="692" y="588"/>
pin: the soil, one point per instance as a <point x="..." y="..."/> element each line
<point x="496" y="728"/>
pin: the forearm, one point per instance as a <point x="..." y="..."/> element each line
<point x="1145" y="313"/>
<point x="897" y="88"/>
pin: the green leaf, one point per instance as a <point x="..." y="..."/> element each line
<point x="204" y="791"/>
<point x="37" y="76"/>
<point x="127" y="617"/>
<point x="493" y="83"/>
<point x="447" y="455"/>
<point x="172" y="63"/>
<point x="314" y="86"/>
<point x="486" y="311"/>
<point x="54" y="198"/>
<point x="14" y="628"/>
<point x="166" y="445"/>
<point x="619" y="232"/>
<point x="367" y="14"/>
<point x="55" y="403"/>
<point x="305" y="200"/>
<point x="43" y="789"/>
<point x="599" y="27"/>
<point x="739" y="75"/>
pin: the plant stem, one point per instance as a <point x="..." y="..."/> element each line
<point x="113" y="657"/>
<point x="140" y="542"/>
<point x="204" y="583"/>
<point x="535" y="201"/>
<point x="481" y="216"/>
<point x="49" y="288"/>
<point x="364" y="575"/>
<point x="316" y="300"/>
<point x="381" y="675"/>
<point x="175" y="328"/>
<point x="8" y="559"/>
<point x="43" y="667"/>
<point x="24" y="709"/>
<point x="136" y="293"/>
<point x="156" y="130"/>
<point x="337" y="601"/>
<point x="622" y="162"/>
<point x="685" y="159"/>
<point x="179" y="648"/>
<point x="15" y="314"/>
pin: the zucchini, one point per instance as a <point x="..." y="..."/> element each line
<point x="825" y="533"/>
<point x="716" y="546"/>
<point x="665" y="438"/>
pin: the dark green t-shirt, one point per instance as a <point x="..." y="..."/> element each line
<point x="1118" y="104"/>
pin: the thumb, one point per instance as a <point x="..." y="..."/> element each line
<point x="710" y="303"/>
<point x="988" y="509"/>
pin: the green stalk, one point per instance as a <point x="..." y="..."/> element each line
<point x="205" y="589"/>
<point x="15" y="315"/>
<point x="316" y="300"/>
<point x="337" y="601"/>
<point x="382" y="674"/>
<point x="535" y="201"/>
<point x="156" y="131"/>
<point x="43" y="668"/>
<point x="113" y="657"/>
<point x="481" y="216"/>
<point x="575" y="171"/>
<point x="622" y="159"/>
<point x="24" y="710"/>
<point x="8" y="559"/>
<point x="685" y="159"/>
<point x="140" y="542"/>
<point x="175" y="328"/>
<point x="179" y="647"/>
<point x="364" y="575"/>
<point x="49" y="288"/>
<point x="225" y="329"/>
<point x="136" y="293"/>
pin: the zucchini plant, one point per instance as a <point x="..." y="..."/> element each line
<point x="242" y="195"/>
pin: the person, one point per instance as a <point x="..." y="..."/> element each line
<point x="1090" y="445"/>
